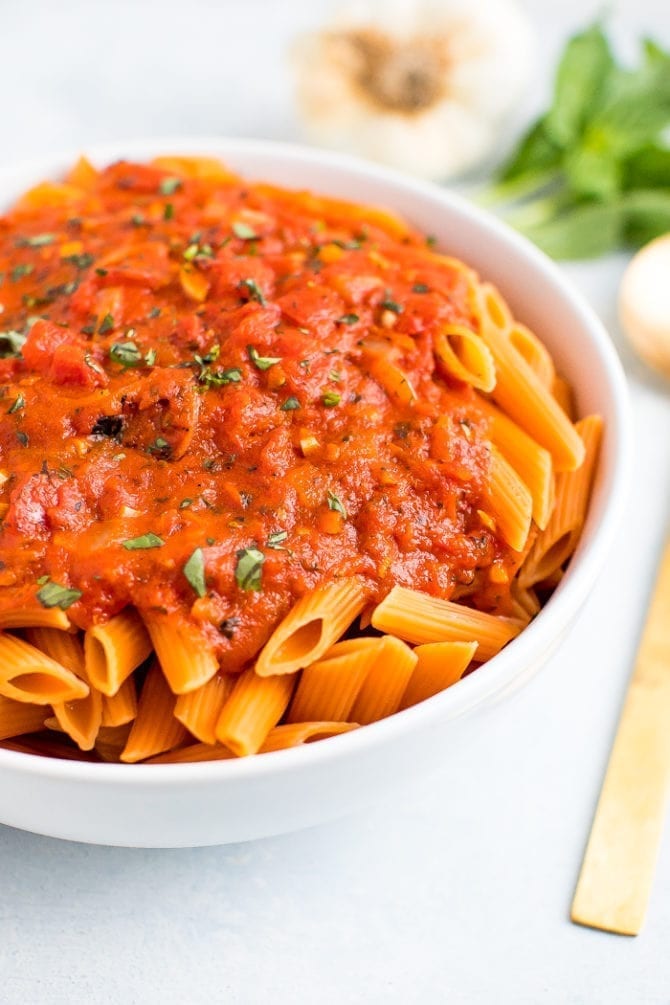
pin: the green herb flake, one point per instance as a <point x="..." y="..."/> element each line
<point x="168" y="212"/>
<point x="169" y="186"/>
<point x="254" y="291"/>
<point x="106" y="324"/>
<point x="101" y="272"/>
<point x="219" y="378"/>
<point x="185" y="503"/>
<point x="420" y="288"/>
<point x="22" y="438"/>
<point x="290" y="405"/>
<point x="244" y="231"/>
<point x="154" y="313"/>
<point x="391" y="305"/>
<point x="336" y="504"/>
<point x="11" y="343"/>
<point x="19" y="271"/>
<point x="262" y="362"/>
<point x="150" y="357"/>
<point x="143" y="542"/>
<point x="83" y="261"/>
<point x="248" y="568"/>
<point x="194" y="571"/>
<point x="330" y="399"/>
<point x="431" y="240"/>
<point x="55" y="595"/>
<point x="348" y="319"/>
<point x="42" y="580"/>
<point x="38" y="241"/>
<point x="18" y="403"/>
<point x="160" y="448"/>
<point x="276" y="539"/>
<point x="125" y="353"/>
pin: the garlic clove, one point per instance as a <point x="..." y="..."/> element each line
<point x="644" y="304"/>
<point x="418" y="84"/>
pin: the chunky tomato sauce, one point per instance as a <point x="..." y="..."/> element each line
<point x="215" y="396"/>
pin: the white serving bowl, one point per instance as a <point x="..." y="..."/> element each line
<point x="187" y="805"/>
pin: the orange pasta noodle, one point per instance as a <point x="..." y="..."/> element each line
<point x="328" y="688"/>
<point x="463" y="354"/>
<point x="311" y="627"/>
<point x="439" y="665"/>
<point x="110" y="742"/>
<point x="255" y="705"/>
<point x="385" y="682"/>
<point x="184" y="656"/>
<point x="114" y="649"/>
<point x="28" y="617"/>
<point x="121" y="708"/>
<point x="531" y="462"/>
<point x="80" y="719"/>
<point x="155" y="728"/>
<point x="510" y="502"/>
<point x="526" y="603"/>
<point x="192" y="754"/>
<point x="558" y="541"/>
<point x="395" y="381"/>
<point x="295" y="734"/>
<point x="26" y="674"/>
<point x="199" y="710"/>
<point x="563" y="393"/>
<point x="418" y="617"/>
<point x="535" y="353"/>
<point x="17" y="717"/>
<point x="521" y="393"/>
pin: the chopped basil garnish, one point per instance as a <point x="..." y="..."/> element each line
<point x="168" y="212"/>
<point x="254" y="291"/>
<point x="331" y="398"/>
<point x="420" y="288"/>
<point x="276" y="539"/>
<point x="244" y="232"/>
<point x="262" y="362"/>
<point x="169" y="186"/>
<point x="390" y="305"/>
<point x="185" y="503"/>
<point x="290" y="405"/>
<point x="160" y="448"/>
<point x="18" y="403"/>
<point x="38" y="241"/>
<point x="150" y="357"/>
<point x="55" y="595"/>
<point x="106" y="324"/>
<point x="11" y="343"/>
<point x="19" y="271"/>
<point x="83" y="262"/>
<point x="219" y="378"/>
<point x="154" y="312"/>
<point x="336" y="504"/>
<point x="194" y="571"/>
<point x="248" y="569"/>
<point x="348" y="319"/>
<point x="125" y="353"/>
<point x="143" y="541"/>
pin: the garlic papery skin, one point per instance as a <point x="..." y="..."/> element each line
<point x="644" y="304"/>
<point x="421" y="85"/>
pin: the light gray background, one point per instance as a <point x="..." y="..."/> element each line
<point x="459" y="890"/>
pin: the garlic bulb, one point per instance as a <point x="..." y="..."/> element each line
<point x="644" y="304"/>
<point x="421" y="85"/>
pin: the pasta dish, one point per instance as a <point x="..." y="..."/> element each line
<point x="272" y="466"/>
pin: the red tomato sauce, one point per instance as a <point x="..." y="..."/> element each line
<point x="192" y="364"/>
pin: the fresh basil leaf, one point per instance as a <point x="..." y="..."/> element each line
<point x="647" y="215"/>
<point x="262" y="362"/>
<point x="582" y="231"/>
<point x="125" y="353"/>
<point x="335" y="503"/>
<point x="149" y="540"/>
<point x="648" y="167"/>
<point x="276" y="539"/>
<point x="244" y="232"/>
<point x="249" y="568"/>
<point x="194" y="571"/>
<point x="169" y="186"/>
<point x="254" y="291"/>
<point x="54" y="595"/>
<point x="583" y="75"/>
<point x="593" y="173"/>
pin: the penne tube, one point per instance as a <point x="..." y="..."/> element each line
<point x="536" y="355"/>
<point x="27" y="674"/>
<point x="121" y="708"/>
<point x="80" y="719"/>
<point x="114" y="649"/>
<point x="418" y="618"/>
<point x="328" y="688"/>
<point x="313" y="625"/>
<point x="510" y="502"/>
<point x="199" y="710"/>
<point x="385" y="682"/>
<point x="184" y="655"/>
<point x="110" y="742"/>
<point x="18" y="717"/>
<point x="439" y="665"/>
<point x="531" y="462"/>
<point x="295" y="734"/>
<point x="559" y="539"/>
<point x="521" y="393"/>
<point x="193" y="753"/>
<point x="255" y="705"/>
<point x="563" y="393"/>
<point x="29" y="617"/>
<point x="155" y="728"/>
<point x="461" y="353"/>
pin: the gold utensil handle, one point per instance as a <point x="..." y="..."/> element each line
<point x="618" y="868"/>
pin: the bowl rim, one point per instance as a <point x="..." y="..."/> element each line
<point x="506" y="665"/>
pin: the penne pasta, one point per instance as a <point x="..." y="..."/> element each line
<point x="418" y="618"/>
<point x="315" y="623"/>
<point x="155" y="728"/>
<point x="114" y="649"/>
<point x="510" y="502"/>
<point x="18" y="717"/>
<point x="562" y="392"/>
<point x="438" y="666"/>
<point x="255" y="705"/>
<point x="110" y="742"/>
<point x="461" y="353"/>
<point x="192" y="754"/>
<point x="295" y="734"/>
<point x="120" y="708"/>
<point x="329" y="687"/>
<point x="528" y="345"/>
<point x="31" y="617"/>
<point x="185" y="658"/>
<point x="27" y="674"/>
<point x="385" y="682"/>
<point x="199" y="710"/>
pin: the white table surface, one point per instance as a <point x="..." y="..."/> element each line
<point x="459" y="890"/>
